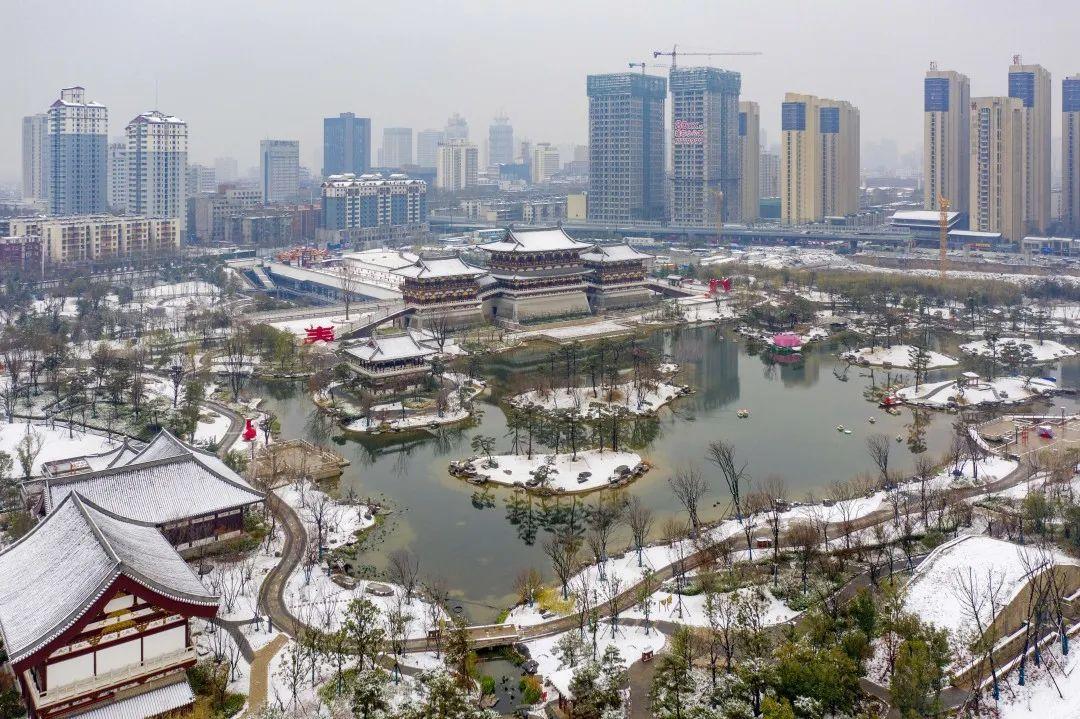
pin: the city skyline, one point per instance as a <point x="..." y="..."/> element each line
<point x="545" y="105"/>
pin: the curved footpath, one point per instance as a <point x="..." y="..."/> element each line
<point x="271" y="593"/>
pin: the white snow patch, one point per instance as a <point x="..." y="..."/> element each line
<point x="897" y="356"/>
<point x="563" y="475"/>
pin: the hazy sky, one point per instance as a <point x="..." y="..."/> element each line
<point x="241" y="71"/>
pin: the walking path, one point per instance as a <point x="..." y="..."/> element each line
<point x="259" y="683"/>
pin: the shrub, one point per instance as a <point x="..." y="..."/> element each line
<point x="487" y="684"/>
<point x="532" y="691"/>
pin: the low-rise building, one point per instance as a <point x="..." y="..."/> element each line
<point x="392" y="363"/>
<point x="443" y="292"/>
<point x="98" y="237"/>
<point x="20" y="254"/>
<point x="371" y="208"/>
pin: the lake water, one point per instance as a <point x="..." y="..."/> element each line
<point x="479" y="540"/>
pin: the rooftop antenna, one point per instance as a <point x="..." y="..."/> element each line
<point x="933" y="65"/>
<point x="1017" y="60"/>
<point x="156" y="106"/>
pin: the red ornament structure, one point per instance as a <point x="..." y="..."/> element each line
<point x="249" y="431"/>
<point x="319" y="334"/>
<point x="715" y="284"/>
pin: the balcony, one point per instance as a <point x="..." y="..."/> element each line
<point x="110" y="679"/>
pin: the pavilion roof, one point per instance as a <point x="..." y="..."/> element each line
<point x="537" y="240"/>
<point x="613" y="253"/>
<point x="52" y="576"/>
<point x="167" y="481"/>
<point x="390" y="348"/>
<point x="443" y="267"/>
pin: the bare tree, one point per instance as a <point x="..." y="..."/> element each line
<point x="737" y="480"/>
<point x="774" y="500"/>
<point x="436" y="596"/>
<point x="350" y="280"/>
<point x="689" y="487"/>
<point x="527" y="583"/>
<point x="722" y="619"/>
<point x="562" y="550"/>
<point x="878" y="447"/>
<point x="322" y="512"/>
<point x="404" y="568"/>
<point x="981" y="597"/>
<point x="804" y="540"/>
<point x="236" y="361"/>
<point x="640" y="520"/>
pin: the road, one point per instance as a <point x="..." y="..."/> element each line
<point x="236" y="426"/>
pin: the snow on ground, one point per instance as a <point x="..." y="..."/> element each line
<point x="337" y="321"/>
<point x="990" y="469"/>
<point x="704" y="309"/>
<point x="454" y="412"/>
<point x="1046" y="351"/>
<point x="574" y="332"/>
<point x="514" y="469"/>
<point x="180" y="289"/>
<point x="212" y="427"/>
<point x="1044" y="696"/>
<point x="665" y="607"/>
<point x="582" y="398"/>
<point x="55" y="442"/>
<point x="214" y="643"/>
<point x="630" y="641"/>
<point x="897" y="356"/>
<point x="1006" y="390"/>
<point x="936" y="591"/>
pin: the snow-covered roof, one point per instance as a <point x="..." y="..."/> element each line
<point x="923" y="216"/>
<point x="148" y="704"/>
<point x="933" y="594"/>
<point x="165" y="482"/>
<point x="156" y="117"/>
<point x="121" y="454"/>
<point x="384" y="259"/>
<point x="539" y="240"/>
<point x="444" y="267"/>
<point x="613" y="253"/>
<point x="388" y="349"/>
<point x="51" y="577"/>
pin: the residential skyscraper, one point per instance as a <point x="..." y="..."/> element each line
<point x="946" y="124"/>
<point x="157" y="147"/>
<point x="769" y="175"/>
<point x="705" y="146"/>
<point x="819" y="158"/>
<point x="117" y="176"/>
<point x="35" y="156"/>
<point x="501" y="141"/>
<point x="457" y="128"/>
<point x="839" y="125"/>
<point x="1031" y="85"/>
<point x="346" y="144"/>
<point x="427" y="147"/>
<point x="397" y="146"/>
<point x="78" y="154"/>
<point x="626" y="147"/>
<point x="200" y="179"/>
<point x="279" y="170"/>
<point x="996" y="166"/>
<point x="545" y="162"/>
<point x="1070" y="154"/>
<point x="750" y="154"/>
<point x="457" y="165"/>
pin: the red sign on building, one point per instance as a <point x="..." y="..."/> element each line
<point x="319" y="334"/>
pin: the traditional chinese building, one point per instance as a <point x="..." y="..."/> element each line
<point x="538" y="274"/>
<point x="616" y="277"/>
<point x="392" y="363"/>
<point x="94" y="615"/>
<point x="190" y="495"/>
<point x="441" y="292"/>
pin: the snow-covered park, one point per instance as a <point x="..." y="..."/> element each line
<point x="564" y="471"/>
<point x="897" y="356"/>
<point x="50" y="443"/>
<point x="1001" y="390"/>
<point x="626" y="395"/>
<point x="1045" y="351"/>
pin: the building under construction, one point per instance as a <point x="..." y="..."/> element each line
<point x="706" y="166"/>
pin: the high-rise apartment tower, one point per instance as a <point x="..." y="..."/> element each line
<point x="946" y="124"/>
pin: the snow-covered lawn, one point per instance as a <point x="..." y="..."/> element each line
<point x="563" y="476"/>
<point x="1044" y="696"/>
<point x="214" y="643"/>
<point x="582" y="399"/>
<point x="704" y="309"/>
<point x="665" y="607"/>
<point x="212" y="427"/>
<point x="594" y="329"/>
<point x="1046" y="351"/>
<point x="630" y="641"/>
<point x="191" y="288"/>
<point x="897" y="356"/>
<point x="938" y="590"/>
<point x="990" y="469"/>
<point x="55" y="443"/>
<point x="455" y="411"/>
<point x="1006" y="390"/>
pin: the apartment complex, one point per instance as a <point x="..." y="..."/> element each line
<point x="397" y="146"/>
<point x="1031" y="85"/>
<point x="97" y="237"/>
<point x="705" y="146"/>
<point x="346" y="144"/>
<point x="427" y="147"/>
<point x="279" y="165"/>
<point x="501" y="141"/>
<point x="200" y="179"/>
<point x="750" y="155"/>
<point x="946" y="144"/>
<point x="996" y="166"/>
<point x="626" y="147"/>
<point x="1070" y="154"/>
<point x="456" y="165"/>
<point x="157" y="147"/>
<point x="35" y="157"/>
<point x="77" y="154"/>
<point x="370" y="207"/>
<point x="545" y="162"/>
<point x="116" y="175"/>
<point x="819" y="158"/>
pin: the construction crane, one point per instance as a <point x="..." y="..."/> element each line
<point x="719" y="195"/>
<point x="943" y="229"/>
<point x="674" y="53"/>
<point x="643" y="65"/>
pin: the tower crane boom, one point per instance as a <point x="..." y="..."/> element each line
<point x="674" y="54"/>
